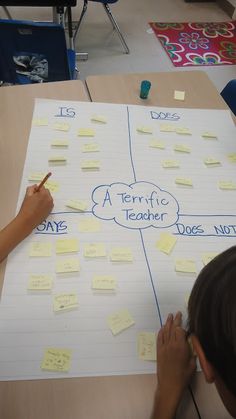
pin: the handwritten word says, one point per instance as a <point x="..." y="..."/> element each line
<point x="166" y="116"/>
<point x="52" y="227"/>
<point x="64" y="112"/>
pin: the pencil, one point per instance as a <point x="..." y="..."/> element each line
<point x="43" y="181"/>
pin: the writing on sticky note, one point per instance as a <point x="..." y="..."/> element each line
<point x="227" y="185"/>
<point x="40" y="122"/>
<point x="103" y="282"/>
<point x="59" y="143"/>
<point x="183" y="131"/>
<point x="157" y="144"/>
<point x="185" y="265"/>
<point x="67" y="265"/>
<point x="67" y="246"/>
<point x="77" y="204"/>
<point x="52" y="186"/>
<point x="170" y="164"/>
<point x="40" y="249"/>
<point x="64" y="302"/>
<point x="166" y="242"/>
<point x="167" y="128"/>
<point x="232" y="157"/>
<point x="99" y="118"/>
<point x="57" y="159"/>
<point x="57" y="360"/>
<point x="147" y="346"/>
<point x="86" y="132"/>
<point x="40" y="282"/>
<point x="89" y="225"/>
<point x="95" y="250"/>
<point x="61" y="126"/>
<point x="121" y="254"/>
<point x="179" y="95"/>
<point x="144" y="130"/>
<point x="36" y="176"/>
<point x="120" y="321"/>
<point x="185" y="181"/>
<point x="90" y="148"/>
<point x="207" y="257"/>
<point x="90" y="165"/>
<point x="209" y="134"/>
<point x="182" y="148"/>
<point x="212" y="161"/>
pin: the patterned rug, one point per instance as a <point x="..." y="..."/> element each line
<point x="198" y="43"/>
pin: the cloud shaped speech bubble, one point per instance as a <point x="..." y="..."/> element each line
<point x="139" y="205"/>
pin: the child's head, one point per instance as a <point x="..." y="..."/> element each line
<point x="212" y="322"/>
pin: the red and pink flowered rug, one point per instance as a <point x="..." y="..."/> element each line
<point x="198" y="43"/>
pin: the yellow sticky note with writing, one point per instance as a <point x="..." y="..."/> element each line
<point x="120" y="321"/>
<point x="157" y="144"/>
<point x="57" y="159"/>
<point x="36" y="176"/>
<point x="207" y="257"/>
<point x="90" y="165"/>
<point x="147" y="346"/>
<point x="170" y="164"/>
<point x="67" y="245"/>
<point x="61" y="126"/>
<point x="121" y="254"/>
<point x="182" y="148"/>
<point x="77" y="204"/>
<point x="183" y="130"/>
<point x="94" y="250"/>
<point x="144" y="130"/>
<point x="232" y="157"/>
<point x="40" y="249"/>
<point x="167" y="128"/>
<point x="179" y="95"/>
<point x="209" y="134"/>
<point x="185" y="265"/>
<point x="63" y="302"/>
<point x="40" y="282"/>
<point x="103" y="282"/>
<point x="99" y="118"/>
<point x="86" y="132"/>
<point x="227" y="185"/>
<point x="166" y="242"/>
<point x="184" y="181"/>
<point x="59" y="143"/>
<point x="40" y="122"/>
<point x="212" y="161"/>
<point x="89" y="225"/>
<point x="57" y="360"/>
<point x="90" y="148"/>
<point x="67" y="265"/>
<point x="52" y="186"/>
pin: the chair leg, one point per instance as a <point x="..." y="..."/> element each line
<point x="7" y="12"/>
<point x="116" y="27"/>
<point x="81" y="18"/>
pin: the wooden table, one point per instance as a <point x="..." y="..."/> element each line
<point x="122" y="397"/>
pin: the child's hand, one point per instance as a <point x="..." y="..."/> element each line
<point x="36" y="206"/>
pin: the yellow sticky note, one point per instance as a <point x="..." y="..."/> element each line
<point x="121" y="254"/>
<point x="94" y="250"/>
<point x="90" y="148"/>
<point x="209" y="134"/>
<point x="207" y="257"/>
<point x="63" y="302"/>
<point x="185" y="265"/>
<point x="157" y="144"/>
<point x="67" y="245"/>
<point x="103" y="282"/>
<point x="40" y="122"/>
<point x="147" y="346"/>
<point x="59" y="143"/>
<point x="57" y="159"/>
<point x="36" y="176"/>
<point x="67" y="265"/>
<point x="61" y="126"/>
<point x="86" y="132"/>
<point x="170" y="164"/>
<point x="227" y="185"/>
<point x="166" y="242"/>
<point x="77" y="204"/>
<point x="232" y="157"/>
<point x="183" y="130"/>
<point x="89" y="225"/>
<point x="40" y="249"/>
<point x="40" y="282"/>
<point x="182" y="148"/>
<point x="179" y="95"/>
<point x="90" y="165"/>
<point x="120" y="321"/>
<point x="167" y="128"/>
<point x="52" y="186"/>
<point x="183" y="181"/>
<point x="99" y="118"/>
<point x="211" y="161"/>
<point x="57" y="360"/>
<point x="144" y="130"/>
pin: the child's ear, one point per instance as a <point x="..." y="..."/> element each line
<point x="207" y="368"/>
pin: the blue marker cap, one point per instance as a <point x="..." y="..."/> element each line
<point x="144" y="89"/>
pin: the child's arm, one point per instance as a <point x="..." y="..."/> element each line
<point x="35" y="208"/>
<point x="175" y="367"/>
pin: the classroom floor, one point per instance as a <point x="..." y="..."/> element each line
<point x="105" y="51"/>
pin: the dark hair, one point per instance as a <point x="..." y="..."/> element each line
<point x="212" y="314"/>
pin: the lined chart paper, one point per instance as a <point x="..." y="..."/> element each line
<point x="144" y="197"/>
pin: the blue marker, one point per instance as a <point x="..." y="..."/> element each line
<point x="144" y="89"/>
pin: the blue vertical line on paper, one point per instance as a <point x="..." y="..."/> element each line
<point x="130" y="145"/>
